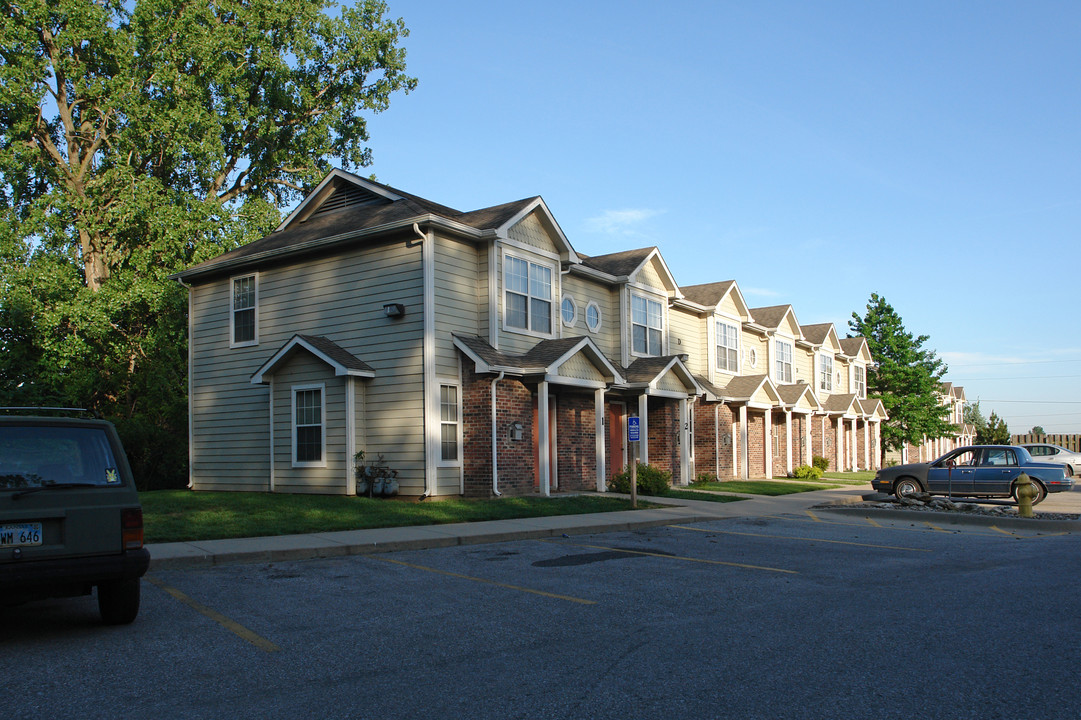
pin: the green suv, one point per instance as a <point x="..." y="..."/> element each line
<point x="70" y="518"/>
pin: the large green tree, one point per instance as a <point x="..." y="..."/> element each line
<point x="907" y="377"/>
<point x="137" y="138"/>
<point x="995" y="433"/>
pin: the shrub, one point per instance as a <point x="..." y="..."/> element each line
<point x="808" y="472"/>
<point x="821" y="463"/>
<point x="651" y="481"/>
<point x="704" y="477"/>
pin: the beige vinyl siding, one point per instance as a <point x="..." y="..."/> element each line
<point x="457" y="308"/>
<point x="753" y="341"/>
<point x="650" y="276"/>
<point x="340" y="297"/>
<point x="670" y="381"/>
<point x="803" y="366"/>
<point x="729" y="307"/>
<point x="685" y="337"/>
<point x="585" y="291"/>
<point x="530" y="231"/>
<point x="305" y="369"/>
<point x="581" y="368"/>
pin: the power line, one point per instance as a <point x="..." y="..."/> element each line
<point x="1018" y="362"/>
<point x="1015" y="377"/>
<point x="1037" y="402"/>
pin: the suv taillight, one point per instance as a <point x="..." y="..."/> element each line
<point x="131" y="526"/>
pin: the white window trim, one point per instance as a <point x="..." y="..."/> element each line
<point x="321" y="387"/>
<point x="574" y="318"/>
<point x="440" y="462"/>
<point x="828" y="376"/>
<point x="660" y="300"/>
<point x="556" y="307"/>
<point x="600" y="317"/>
<point x="776" y="374"/>
<point x="715" y="345"/>
<point x="233" y="311"/>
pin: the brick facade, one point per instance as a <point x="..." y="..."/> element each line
<point x="756" y="444"/>
<point x="664" y="435"/>
<point x="576" y="441"/>
<point x="517" y="459"/>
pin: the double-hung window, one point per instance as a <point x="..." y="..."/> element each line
<point x="309" y="425"/>
<point x="647" y="325"/>
<point x="448" y="423"/>
<point x="528" y="295"/>
<point x="861" y="380"/>
<point x="825" y="373"/>
<point x="783" y="363"/>
<point x="242" y="317"/>
<point x="727" y="347"/>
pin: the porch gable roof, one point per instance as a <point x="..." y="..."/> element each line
<point x="545" y="357"/>
<point x="341" y="360"/>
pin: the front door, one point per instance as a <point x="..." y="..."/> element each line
<point x="996" y="472"/>
<point x="617" y="438"/>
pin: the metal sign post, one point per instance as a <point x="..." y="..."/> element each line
<point x="632" y="438"/>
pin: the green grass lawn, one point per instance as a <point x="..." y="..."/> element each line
<point x="763" y="487"/>
<point x="863" y="477"/>
<point x="177" y="515"/>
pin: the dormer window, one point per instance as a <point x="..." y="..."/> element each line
<point x="528" y="296"/>
<point x="647" y="326"/>
<point x="727" y="347"/>
<point x="825" y="373"/>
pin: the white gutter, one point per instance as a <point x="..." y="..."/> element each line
<point x="495" y="440"/>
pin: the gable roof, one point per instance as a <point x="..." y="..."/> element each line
<point x="341" y="360"/>
<point x="773" y="316"/>
<point x="846" y="403"/>
<point x="792" y="394"/>
<point x="856" y="346"/>
<point x="818" y="333"/>
<point x="543" y="358"/>
<point x="711" y="295"/>
<point x="368" y="208"/>
<point x="628" y="262"/>
<point x="743" y="388"/>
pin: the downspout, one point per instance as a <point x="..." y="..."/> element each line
<point x="495" y="440"/>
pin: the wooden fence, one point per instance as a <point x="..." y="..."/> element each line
<point x="1070" y="442"/>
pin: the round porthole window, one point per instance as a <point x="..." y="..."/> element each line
<point x="569" y="310"/>
<point x="593" y="317"/>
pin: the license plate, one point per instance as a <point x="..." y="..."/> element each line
<point x="20" y="534"/>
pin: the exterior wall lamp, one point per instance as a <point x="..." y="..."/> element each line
<point x="394" y="310"/>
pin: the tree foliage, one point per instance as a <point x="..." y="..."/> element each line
<point x="995" y="433"/>
<point x="972" y="415"/>
<point x="138" y="138"/>
<point x="907" y="377"/>
<point x="1037" y="430"/>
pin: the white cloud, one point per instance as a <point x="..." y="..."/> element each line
<point x="620" y="222"/>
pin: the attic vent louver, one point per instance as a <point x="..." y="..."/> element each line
<point x="347" y="195"/>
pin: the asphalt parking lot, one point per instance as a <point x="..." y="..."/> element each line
<point x="809" y="615"/>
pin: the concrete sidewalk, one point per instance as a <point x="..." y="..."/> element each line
<point x="207" y="553"/>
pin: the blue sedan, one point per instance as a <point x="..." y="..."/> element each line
<point x="974" y="471"/>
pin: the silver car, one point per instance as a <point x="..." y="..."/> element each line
<point x="1056" y="454"/>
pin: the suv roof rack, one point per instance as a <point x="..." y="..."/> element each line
<point x="40" y="409"/>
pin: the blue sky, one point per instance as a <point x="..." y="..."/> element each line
<point x="815" y="152"/>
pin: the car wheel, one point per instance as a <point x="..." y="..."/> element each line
<point x="118" y="601"/>
<point x="1041" y="493"/>
<point x="905" y="487"/>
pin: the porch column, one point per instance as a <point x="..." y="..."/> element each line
<point x="840" y="444"/>
<point x="769" y="442"/>
<point x="788" y="440"/>
<point x="852" y="446"/>
<point x="878" y="445"/>
<point x="717" y="441"/>
<point x="543" y="439"/>
<point x="743" y="455"/>
<point x="684" y="443"/>
<point x="735" y="447"/>
<point x="598" y="411"/>
<point x="809" y="449"/>
<point x="866" y="445"/>
<point x="643" y="428"/>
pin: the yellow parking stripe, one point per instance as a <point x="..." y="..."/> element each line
<point x="997" y="529"/>
<point x="676" y="557"/>
<point x="933" y="526"/>
<point x="257" y="640"/>
<point x="788" y="537"/>
<point x="873" y="522"/>
<point x="487" y="582"/>
<point x="813" y="516"/>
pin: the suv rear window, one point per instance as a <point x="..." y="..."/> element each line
<point x="37" y="455"/>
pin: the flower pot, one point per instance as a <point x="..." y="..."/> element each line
<point x="377" y="487"/>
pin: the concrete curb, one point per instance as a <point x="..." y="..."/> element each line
<point x="959" y="519"/>
<point x="281" y="548"/>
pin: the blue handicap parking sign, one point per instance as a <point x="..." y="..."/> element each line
<point x="632" y="429"/>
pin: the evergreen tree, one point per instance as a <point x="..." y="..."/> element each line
<point x="972" y="415"/>
<point x="907" y="378"/>
<point x="996" y="432"/>
<point x="138" y="137"/>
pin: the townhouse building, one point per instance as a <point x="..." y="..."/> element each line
<point x="479" y="353"/>
<point x="953" y="397"/>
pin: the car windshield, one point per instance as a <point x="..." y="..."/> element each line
<point x="33" y="456"/>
